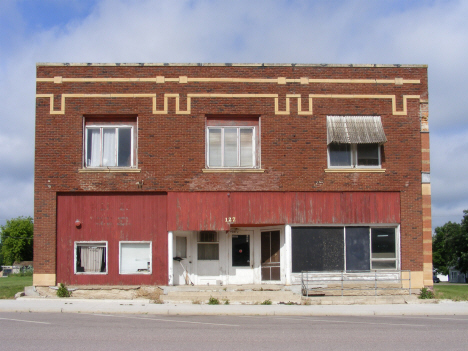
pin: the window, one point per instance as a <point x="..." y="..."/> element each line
<point x="354" y="155"/>
<point x="181" y="247"/>
<point x="135" y="257"/>
<point x="355" y="141"/>
<point x="208" y="245"/>
<point x="90" y="257"/>
<point x="383" y="248"/>
<point x="344" y="248"/>
<point x="232" y="142"/>
<point x="110" y="144"/>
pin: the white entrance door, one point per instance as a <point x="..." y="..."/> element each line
<point x="182" y="259"/>
<point x="240" y="256"/>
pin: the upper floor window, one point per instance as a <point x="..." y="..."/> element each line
<point x="232" y="142"/>
<point x="354" y="141"/>
<point x="110" y="144"/>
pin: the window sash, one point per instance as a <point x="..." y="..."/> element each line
<point x="231" y="147"/>
<point x="354" y="155"/>
<point x="109" y="146"/>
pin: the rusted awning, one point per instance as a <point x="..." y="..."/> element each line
<point x="355" y="130"/>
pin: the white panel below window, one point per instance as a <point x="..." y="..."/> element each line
<point x="135" y="258"/>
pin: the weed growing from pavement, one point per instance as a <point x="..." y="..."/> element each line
<point x="62" y="291"/>
<point x="213" y="301"/>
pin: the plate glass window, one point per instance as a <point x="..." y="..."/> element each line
<point x="383" y="248"/>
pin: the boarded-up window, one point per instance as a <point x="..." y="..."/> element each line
<point x="357" y="249"/>
<point x="135" y="257"/>
<point x="317" y="249"/>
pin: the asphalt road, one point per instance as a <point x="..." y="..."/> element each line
<point x="75" y="331"/>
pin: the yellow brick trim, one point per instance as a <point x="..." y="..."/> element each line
<point x="359" y="96"/>
<point x="417" y="280"/>
<point x="44" y="279"/>
<point x="426" y="189"/>
<point x="279" y="80"/>
<point x="190" y="96"/>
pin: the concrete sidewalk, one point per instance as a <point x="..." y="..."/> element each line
<point x="27" y="304"/>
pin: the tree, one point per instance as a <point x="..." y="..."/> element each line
<point x="450" y="246"/>
<point x="17" y="240"/>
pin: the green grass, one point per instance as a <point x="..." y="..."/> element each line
<point x="456" y="292"/>
<point x="11" y="285"/>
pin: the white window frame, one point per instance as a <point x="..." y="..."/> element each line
<point x="397" y="246"/>
<point x="150" y="269"/>
<point x="397" y="249"/>
<point x="254" y="146"/>
<point x="101" y="127"/>
<point x="354" y="158"/>
<point x="90" y="243"/>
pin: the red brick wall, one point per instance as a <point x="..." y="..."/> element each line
<point x="171" y="147"/>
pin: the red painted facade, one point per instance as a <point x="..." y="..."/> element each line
<point x="111" y="218"/>
<point x="209" y="210"/>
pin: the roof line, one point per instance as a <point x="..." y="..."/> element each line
<point x="229" y="64"/>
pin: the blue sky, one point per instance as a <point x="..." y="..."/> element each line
<point x="273" y="31"/>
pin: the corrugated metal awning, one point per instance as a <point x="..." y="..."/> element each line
<point x="355" y="130"/>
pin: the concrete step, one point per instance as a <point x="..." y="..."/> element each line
<point x="363" y="300"/>
<point x="236" y="297"/>
<point x="355" y="292"/>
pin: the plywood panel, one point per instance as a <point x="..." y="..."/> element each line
<point x="317" y="249"/>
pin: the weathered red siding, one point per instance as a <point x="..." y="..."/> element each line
<point x="112" y="218"/>
<point x="209" y="210"/>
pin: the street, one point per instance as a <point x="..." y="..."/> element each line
<point x="75" y="331"/>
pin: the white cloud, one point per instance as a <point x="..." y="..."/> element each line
<point x="432" y="32"/>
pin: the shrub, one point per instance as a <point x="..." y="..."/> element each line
<point x="266" y="302"/>
<point x="62" y="291"/>
<point x="213" y="301"/>
<point x="426" y="294"/>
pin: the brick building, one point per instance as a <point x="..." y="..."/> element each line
<point x="230" y="173"/>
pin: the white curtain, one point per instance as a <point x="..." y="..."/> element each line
<point x="246" y="148"/>
<point x="91" y="258"/>
<point x="94" y="155"/>
<point x="214" y="147"/>
<point x="108" y="145"/>
<point x="230" y="147"/>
